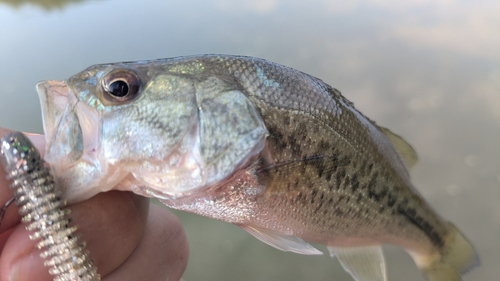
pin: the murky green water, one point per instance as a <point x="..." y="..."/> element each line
<point x="428" y="70"/>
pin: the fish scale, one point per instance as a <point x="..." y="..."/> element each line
<point x="355" y="137"/>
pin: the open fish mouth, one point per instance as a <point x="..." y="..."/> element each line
<point x="60" y="123"/>
<point x="72" y="140"/>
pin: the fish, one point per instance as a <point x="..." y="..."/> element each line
<point x="271" y="149"/>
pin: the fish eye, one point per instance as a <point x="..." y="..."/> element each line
<point x="118" y="88"/>
<point x="121" y="85"/>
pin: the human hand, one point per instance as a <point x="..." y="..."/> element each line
<point x="128" y="238"/>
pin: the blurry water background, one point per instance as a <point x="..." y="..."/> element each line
<point x="428" y="70"/>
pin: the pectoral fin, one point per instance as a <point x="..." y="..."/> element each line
<point x="284" y="242"/>
<point x="363" y="263"/>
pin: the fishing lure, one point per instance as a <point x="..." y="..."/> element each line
<point x="41" y="206"/>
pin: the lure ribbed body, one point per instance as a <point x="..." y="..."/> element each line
<point x="41" y="206"/>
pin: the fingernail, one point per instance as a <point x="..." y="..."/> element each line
<point x="29" y="267"/>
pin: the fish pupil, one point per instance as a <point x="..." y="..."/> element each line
<point x="118" y="88"/>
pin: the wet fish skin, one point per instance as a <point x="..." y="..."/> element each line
<point x="324" y="153"/>
<point x="288" y="156"/>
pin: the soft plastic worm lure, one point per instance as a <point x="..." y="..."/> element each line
<point x="41" y="205"/>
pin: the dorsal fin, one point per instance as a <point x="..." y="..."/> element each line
<point x="404" y="149"/>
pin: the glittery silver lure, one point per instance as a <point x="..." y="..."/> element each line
<point x="41" y="207"/>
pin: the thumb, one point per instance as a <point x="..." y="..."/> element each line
<point x="20" y="259"/>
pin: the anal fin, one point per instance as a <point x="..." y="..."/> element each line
<point x="281" y="241"/>
<point x="362" y="263"/>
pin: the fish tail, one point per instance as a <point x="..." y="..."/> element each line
<point x="454" y="259"/>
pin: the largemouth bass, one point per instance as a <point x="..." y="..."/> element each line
<point x="250" y="142"/>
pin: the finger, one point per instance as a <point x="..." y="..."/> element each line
<point x="3" y="238"/>
<point x="162" y="254"/>
<point x="11" y="216"/>
<point x="111" y="223"/>
<point x="20" y="260"/>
